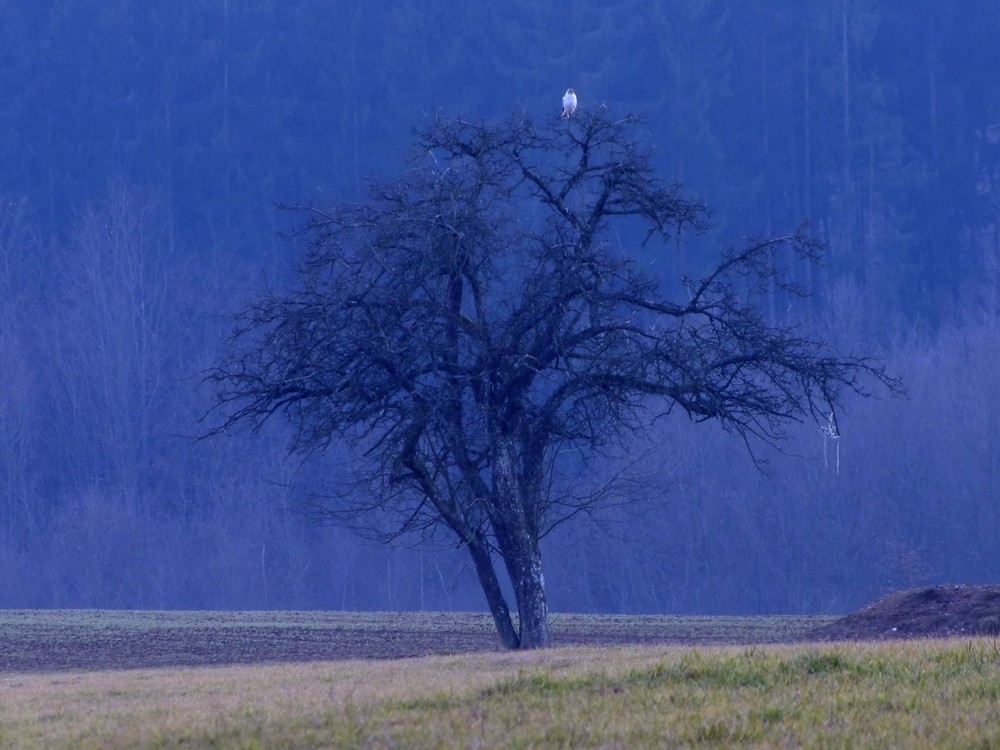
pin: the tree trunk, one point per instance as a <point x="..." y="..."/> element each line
<point x="491" y="588"/>
<point x="518" y="542"/>
<point x="525" y="569"/>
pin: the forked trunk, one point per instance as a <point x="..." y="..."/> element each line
<point x="524" y="567"/>
<point x="481" y="558"/>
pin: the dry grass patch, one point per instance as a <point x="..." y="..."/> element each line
<point x="164" y="707"/>
<point x="904" y="694"/>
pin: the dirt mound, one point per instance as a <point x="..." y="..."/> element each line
<point x="931" y="612"/>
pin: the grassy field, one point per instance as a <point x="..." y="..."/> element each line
<point x="906" y="694"/>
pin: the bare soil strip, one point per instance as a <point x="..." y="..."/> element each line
<point x="57" y="640"/>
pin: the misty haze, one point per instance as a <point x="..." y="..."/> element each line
<point x="146" y="147"/>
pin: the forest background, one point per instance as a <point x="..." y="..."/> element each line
<point x="143" y="147"/>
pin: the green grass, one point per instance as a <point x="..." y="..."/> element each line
<point x="916" y="695"/>
<point x="927" y="694"/>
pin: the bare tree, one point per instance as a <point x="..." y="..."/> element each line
<point x="471" y="328"/>
<point x="111" y="326"/>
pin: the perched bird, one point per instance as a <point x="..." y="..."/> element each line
<point x="569" y="103"/>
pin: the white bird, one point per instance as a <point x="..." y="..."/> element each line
<point x="569" y="103"/>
